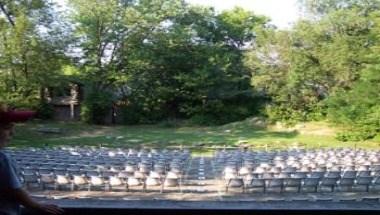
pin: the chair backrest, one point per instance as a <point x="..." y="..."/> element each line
<point x="376" y="180"/>
<point x="244" y="171"/>
<point x="346" y="181"/>
<point x="107" y="174"/>
<point x="332" y="174"/>
<point x="329" y="181"/>
<point x="349" y="174"/>
<point x="47" y="178"/>
<point x="299" y="174"/>
<point x="172" y="175"/>
<point x="154" y="174"/>
<point x="364" y="173"/>
<point x="275" y="182"/>
<point x="62" y="179"/>
<point x="256" y="182"/>
<point x="139" y="175"/>
<point x="292" y="182"/>
<point x="316" y="174"/>
<point x="96" y="180"/>
<point x="365" y="180"/>
<point x="45" y="171"/>
<point x="311" y="181"/>
<point x="92" y="173"/>
<point x="282" y="175"/>
<point x="30" y="178"/>
<point x="115" y="181"/>
<point x="79" y="179"/>
<point x="130" y="168"/>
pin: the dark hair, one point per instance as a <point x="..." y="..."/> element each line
<point x="6" y="126"/>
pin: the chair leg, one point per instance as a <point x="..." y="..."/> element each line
<point x="228" y="184"/>
<point x="144" y="187"/>
<point x="89" y="187"/>
<point x="72" y="187"/>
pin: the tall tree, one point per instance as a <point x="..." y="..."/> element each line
<point x="28" y="59"/>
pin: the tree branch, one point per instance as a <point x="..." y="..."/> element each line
<point x="8" y="15"/>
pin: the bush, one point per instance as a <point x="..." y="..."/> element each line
<point x="377" y="138"/>
<point x="131" y="114"/>
<point x="45" y="111"/>
<point x="284" y="114"/>
<point x="96" y="107"/>
<point x="170" y="123"/>
<point x="222" y="115"/>
<point x="202" y="119"/>
<point x="355" y="135"/>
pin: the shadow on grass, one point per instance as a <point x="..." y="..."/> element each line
<point x="133" y="136"/>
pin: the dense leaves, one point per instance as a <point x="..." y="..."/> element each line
<point x="166" y="60"/>
<point x="178" y="61"/>
<point x="322" y="66"/>
<point x="29" y="60"/>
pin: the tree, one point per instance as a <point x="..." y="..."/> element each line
<point x="301" y="67"/>
<point x="193" y="66"/>
<point x="28" y="59"/>
<point x="359" y="107"/>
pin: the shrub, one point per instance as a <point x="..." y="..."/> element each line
<point x="131" y="114"/>
<point x="45" y="111"/>
<point x="96" y="107"/>
<point x="354" y="135"/>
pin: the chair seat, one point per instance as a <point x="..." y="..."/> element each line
<point x="133" y="181"/>
<point x="153" y="181"/>
<point x="171" y="182"/>
<point x="236" y="182"/>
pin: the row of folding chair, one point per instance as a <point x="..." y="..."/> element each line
<point x="314" y="183"/>
<point x="123" y="180"/>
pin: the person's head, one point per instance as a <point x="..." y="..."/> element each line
<point x="6" y="132"/>
<point x="6" y="129"/>
<point x="7" y="120"/>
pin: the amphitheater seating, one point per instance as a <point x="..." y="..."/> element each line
<point x="325" y="170"/>
<point x="105" y="169"/>
<point x="75" y="168"/>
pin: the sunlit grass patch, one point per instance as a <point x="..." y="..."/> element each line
<point x="200" y="139"/>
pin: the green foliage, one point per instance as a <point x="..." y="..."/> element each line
<point x="299" y="69"/>
<point x="131" y="114"/>
<point x="359" y="108"/>
<point x="45" y="111"/>
<point x="354" y="135"/>
<point x="29" y="59"/>
<point x="96" y="107"/>
<point x="173" y="60"/>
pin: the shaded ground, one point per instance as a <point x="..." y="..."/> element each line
<point x="156" y="136"/>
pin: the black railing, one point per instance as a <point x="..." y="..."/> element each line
<point x="143" y="207"/>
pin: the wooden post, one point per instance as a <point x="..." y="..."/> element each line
<point x="72" y="110"/>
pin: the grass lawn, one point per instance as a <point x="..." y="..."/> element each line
<point x="78" y="134"/>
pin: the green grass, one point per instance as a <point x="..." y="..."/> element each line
<point x="78" y="134"/>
